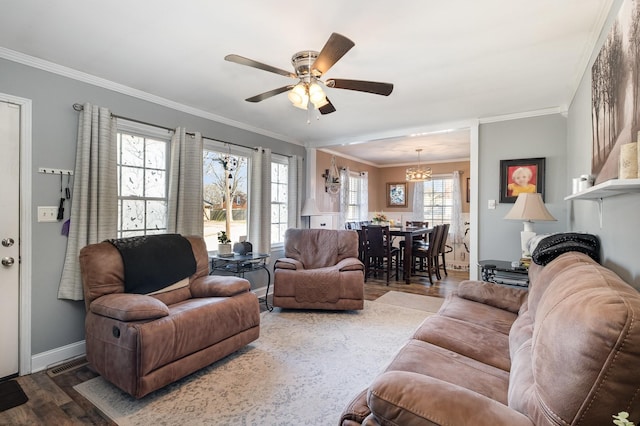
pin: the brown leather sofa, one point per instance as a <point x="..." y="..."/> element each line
<point x="320" y="270"/>
<point x="566" y="353"/>
<point x="141" y="343"/>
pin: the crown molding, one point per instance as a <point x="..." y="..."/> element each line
<point x="73" y="74"/>
<point x="528" y="114"/>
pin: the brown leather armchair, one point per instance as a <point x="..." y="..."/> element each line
<point x="320" y="270"/>
<point x="142" y="342"/>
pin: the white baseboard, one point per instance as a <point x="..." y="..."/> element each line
<point x="44" y="360"/>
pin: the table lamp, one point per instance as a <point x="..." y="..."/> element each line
<point x="529" y="208"/>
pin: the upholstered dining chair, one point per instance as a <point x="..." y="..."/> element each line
<point x="380" y="255"/>
<point x="429" y="254"/>
<point x="442" y="250"/>
<point x="418" y="240"/>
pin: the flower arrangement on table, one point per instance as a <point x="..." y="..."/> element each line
<point x="380" y="217"/>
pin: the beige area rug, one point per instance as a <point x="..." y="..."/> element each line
<point x="303" y="370"/>
<point x="412" y="301"/>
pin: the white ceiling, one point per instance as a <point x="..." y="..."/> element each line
<point x="450" y="61"/>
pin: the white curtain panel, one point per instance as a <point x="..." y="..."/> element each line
<point x="418" y="201"/>
<point x="185" y="210"/>
<point x="294" y="191"/>
<point x="94" y="206"/>
<point x="260" y="201"/>
<point x="457" y="228"/>
<point x="364" y="196"/>
<point x="344" y="197"/>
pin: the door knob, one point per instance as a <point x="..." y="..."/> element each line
<point x="8" y="242"/>
<point x="7" y="261"/>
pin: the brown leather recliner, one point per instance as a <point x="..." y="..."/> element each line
<point x="320" y="270"/>
<point x="140" y="342"/>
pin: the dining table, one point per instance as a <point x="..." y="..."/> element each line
<point x="408" y="232"/>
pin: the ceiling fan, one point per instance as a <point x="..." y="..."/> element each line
<point x="309" y="67"/>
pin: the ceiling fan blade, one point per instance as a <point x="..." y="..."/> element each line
<point x="270" y="93"/>
<point x="361" y="86"/>
<point x="333" y="50"/>
<point x="255" y="64"/>
<point x="328" y="108"/>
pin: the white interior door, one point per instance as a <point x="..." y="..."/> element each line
<point x="9" y="237"/>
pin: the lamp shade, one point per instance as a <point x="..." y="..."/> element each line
<point x="309" y="208"/>
<point x="529" y="207"/>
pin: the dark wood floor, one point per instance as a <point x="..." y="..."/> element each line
<point x="53" y="401"/>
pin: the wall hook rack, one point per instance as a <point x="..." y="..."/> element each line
<point x="52" y="171"/>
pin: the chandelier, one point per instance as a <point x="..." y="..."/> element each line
<point x="418" y="174"/>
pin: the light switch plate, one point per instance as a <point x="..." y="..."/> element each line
<point x="492" y="204"/>
<point x="47" y="213"/>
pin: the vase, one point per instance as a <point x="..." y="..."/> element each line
<point x="224" y="249"/>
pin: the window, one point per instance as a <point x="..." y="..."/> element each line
<point x="142" y="160"/>
<point x="279" y="199"/>
<point x="355" y="203"/>
<point x="225" y="176"/>
<point x="438" y="200"/>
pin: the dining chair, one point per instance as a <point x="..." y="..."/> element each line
<point x="380" y="255"/>
<point x="442" y="249"/>
<point x="418" y="240"/>
<point x="429" y="254"/>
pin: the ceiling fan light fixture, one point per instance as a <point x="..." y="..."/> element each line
<point x="298" y="96"/>
<point x="418" y="174"/>
<point x="316" y="95"/>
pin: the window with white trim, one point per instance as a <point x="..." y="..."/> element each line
<point x="279" y="199"/>
<point x="354" y="197"/>
<point x="438" y="200"/>
<point x="225" y="191"/>
<point x="142" y="163"/>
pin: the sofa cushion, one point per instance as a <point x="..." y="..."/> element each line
<point x="466" y="338"/>
<point x="492" y="294"/>
<point x="193" y="325"/>
<point x="317" y="248"/>
<point x="483" y="315"/>
<point x="431" y="360"/>
<point x="129" y="307"/>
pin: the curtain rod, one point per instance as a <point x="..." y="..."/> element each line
<point x="79" y="107"/>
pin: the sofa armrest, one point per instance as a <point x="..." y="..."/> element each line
<point x="350" y="264"/>
<point x="129" y="307"/>
<point x="402" y="398"/>
<point x="496" y="295"/>
<point x="219" y="286"/>
<point x="288" y="263"/>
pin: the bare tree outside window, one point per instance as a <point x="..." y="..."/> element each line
<point x="224" y="195"/>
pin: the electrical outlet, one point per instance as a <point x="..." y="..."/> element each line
<point x="47" y="213"/>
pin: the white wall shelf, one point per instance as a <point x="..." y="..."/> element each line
<point x="606" y="189"/>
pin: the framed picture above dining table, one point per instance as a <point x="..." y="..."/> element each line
<point x="397" y="194"/>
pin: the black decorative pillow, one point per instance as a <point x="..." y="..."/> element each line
<point x="556" y="244"/>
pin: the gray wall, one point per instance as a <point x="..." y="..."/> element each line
<point x="56" y="323"/>
<point x="534" y="137"/>
<point x="620" y="232"/>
